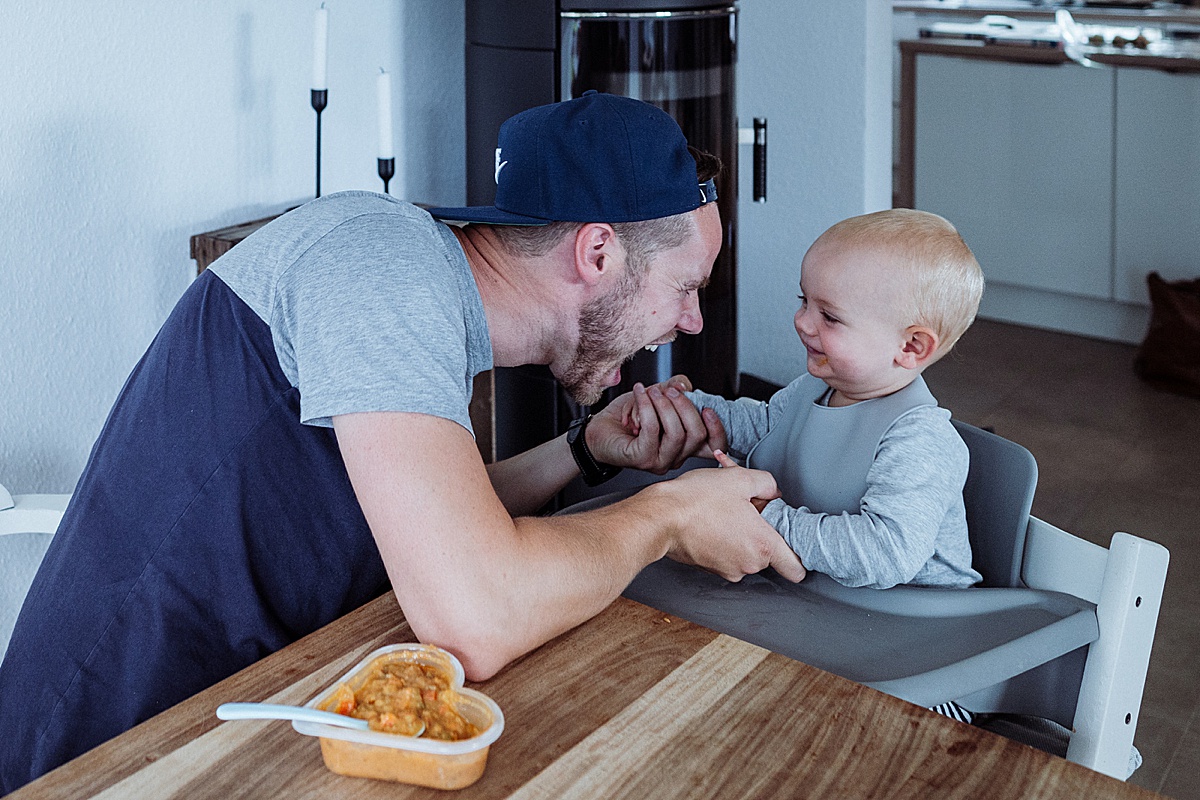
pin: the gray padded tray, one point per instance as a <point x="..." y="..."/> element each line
<point x="924" y="645"/>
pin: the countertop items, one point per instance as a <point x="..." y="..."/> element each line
<point x="1130" y="40"/>
<point x="1125" y="12"/>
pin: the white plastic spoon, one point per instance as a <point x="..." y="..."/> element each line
<point x="276" y="711"/>
<point x="302" y="713"/>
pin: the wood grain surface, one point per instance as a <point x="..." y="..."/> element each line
<point x="632" y="704"/>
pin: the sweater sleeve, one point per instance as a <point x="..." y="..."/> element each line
<point x="745" y="420"/>
<point x="920" y="466"/>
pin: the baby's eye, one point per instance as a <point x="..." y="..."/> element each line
<point x="803" y="300"/>
<point x="829" y="317"/>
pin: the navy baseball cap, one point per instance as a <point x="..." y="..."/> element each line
<point x="597" y="158"/>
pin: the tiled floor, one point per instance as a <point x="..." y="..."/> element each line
<point x="1113" y="455"/>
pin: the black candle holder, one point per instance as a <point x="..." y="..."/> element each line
<point x="320" y="98"/>
<point x="387" y="168"/>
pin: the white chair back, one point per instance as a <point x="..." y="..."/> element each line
<point x="27" y="524"/>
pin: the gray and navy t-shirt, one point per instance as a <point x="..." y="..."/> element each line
<point x="371" y="306"/>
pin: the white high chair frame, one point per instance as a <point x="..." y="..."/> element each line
<point x="1125" y="583"/>
<point x="21" y="553"/>
<point x="1060" y="629"/>
<point x="31" y="513"/>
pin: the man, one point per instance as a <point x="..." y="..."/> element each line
<point x="297" y="437"/>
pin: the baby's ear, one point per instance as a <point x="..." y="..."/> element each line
<point x="919" y="348"/>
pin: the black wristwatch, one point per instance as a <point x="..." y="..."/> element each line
<point x="594" y="473"/>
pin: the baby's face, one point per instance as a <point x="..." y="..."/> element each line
<point x="850" y="321"/>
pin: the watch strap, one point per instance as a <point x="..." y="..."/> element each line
<point x="594" y="472"/>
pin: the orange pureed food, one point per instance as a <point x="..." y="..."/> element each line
<point x="398" y="697"/>
<point x="388" y="686"/>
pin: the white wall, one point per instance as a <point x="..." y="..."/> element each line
<point x="820" y="72"/>
<point x="127" y="127"/>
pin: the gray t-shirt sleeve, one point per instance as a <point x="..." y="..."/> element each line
<point x="370" y="318"/>
<point x="914" y="487"/>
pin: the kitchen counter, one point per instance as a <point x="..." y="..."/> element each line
<point x="1157" y="14"/>
<point x="1182" y="57"/>
<point x="1114" y="37"/>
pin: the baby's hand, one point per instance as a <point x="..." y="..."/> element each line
<point x="725" y="461"/>
<point x="630" y="421"/>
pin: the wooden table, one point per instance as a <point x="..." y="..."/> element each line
<point x="632" y="704"/>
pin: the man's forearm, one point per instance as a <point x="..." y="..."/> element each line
<point x="526" y="482"/>
<point x="489" y="587"/>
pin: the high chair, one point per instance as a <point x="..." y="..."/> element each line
<point x="1059" y="629"/>
<point x="27" y="524"/>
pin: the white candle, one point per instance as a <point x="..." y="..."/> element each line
<point x="320" y="42"/>
<point x="383" y="85"/>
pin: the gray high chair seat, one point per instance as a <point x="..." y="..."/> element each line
<point x="1059" y="628"/>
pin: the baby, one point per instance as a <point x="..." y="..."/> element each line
<point x="870" y="469"/>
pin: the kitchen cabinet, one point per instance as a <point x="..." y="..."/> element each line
<point x="1019" y="158"/>
<point x="1069" y="183"/>
<point x="1157" y="179"/>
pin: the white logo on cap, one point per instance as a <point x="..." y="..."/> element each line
<point x="499" y="165"/>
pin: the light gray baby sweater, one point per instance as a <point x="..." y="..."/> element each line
<point x="872" y="492"/>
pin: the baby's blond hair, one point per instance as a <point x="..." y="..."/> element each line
<point x="947" y="282"/>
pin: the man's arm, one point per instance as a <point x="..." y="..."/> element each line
<point x="527" y="481"/>
<point x="489" y="587"/>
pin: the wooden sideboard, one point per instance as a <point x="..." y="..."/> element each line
<point x="207" y="247"/>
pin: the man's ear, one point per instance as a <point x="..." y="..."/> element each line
<point x="919" y="347"/>
<point x="595" y="245"/>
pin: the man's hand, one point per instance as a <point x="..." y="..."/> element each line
<point x="724" y="460"/>
<point x="719" y="524"/>
<point x="654" y="429"/>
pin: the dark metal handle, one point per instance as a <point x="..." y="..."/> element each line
<point x="760" y="159"/>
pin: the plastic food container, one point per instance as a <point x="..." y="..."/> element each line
<point x="424" y="762"/>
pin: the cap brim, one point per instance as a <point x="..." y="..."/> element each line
<point x="489" y="215"/>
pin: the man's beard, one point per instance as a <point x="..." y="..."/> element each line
<point x="605" y="340"/>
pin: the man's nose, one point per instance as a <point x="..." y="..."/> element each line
<point x="691" y="321"/>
